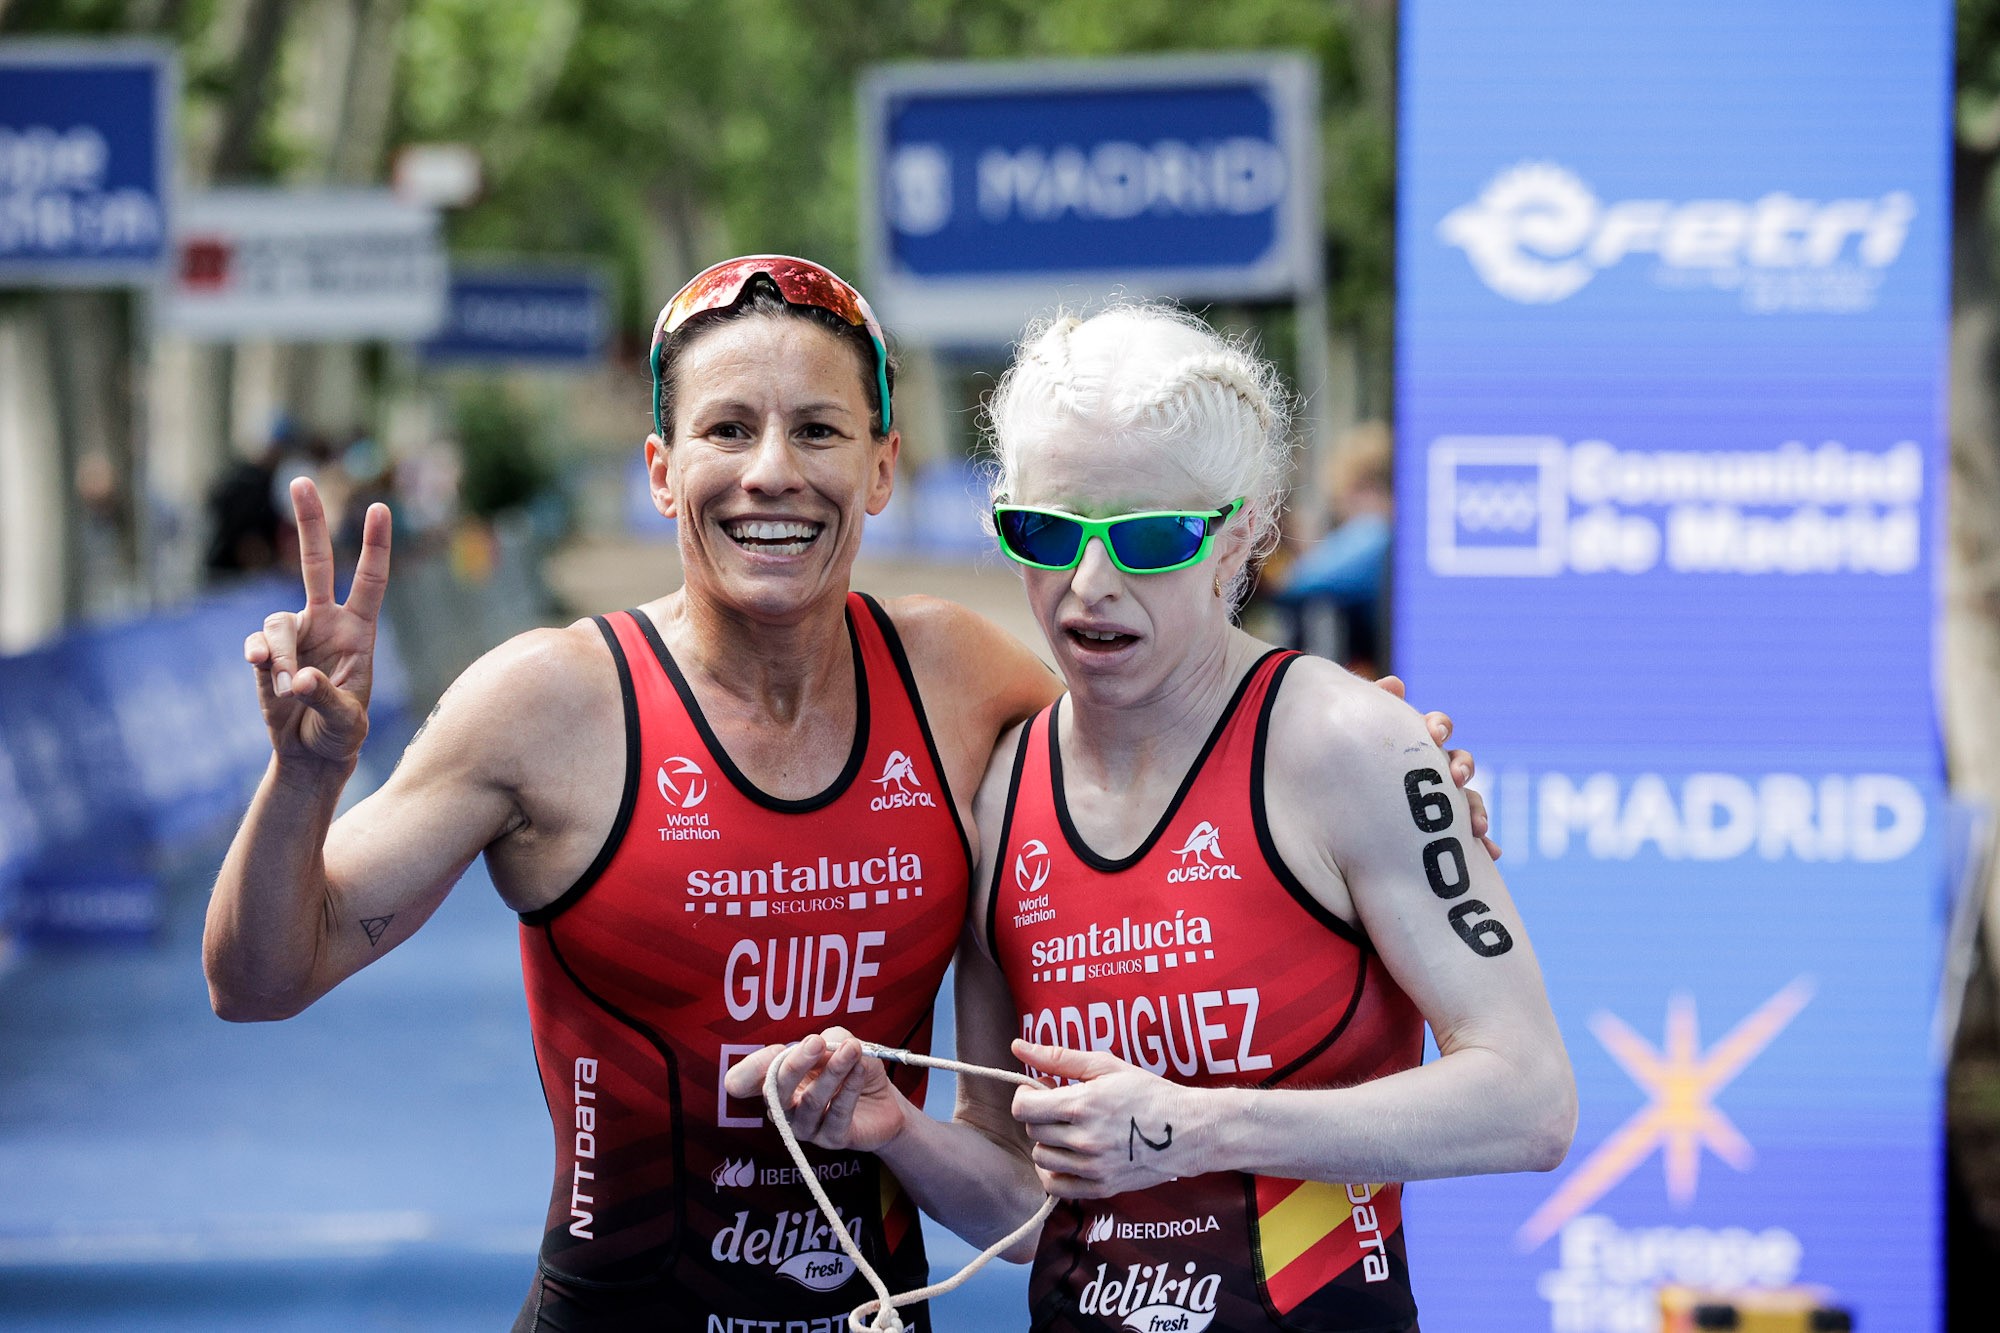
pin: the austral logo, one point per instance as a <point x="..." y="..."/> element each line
<point x="1031" y="866"/>
<point x="1203" y="842"/>
<point x="682" y="783"/>
<point x="900" y="772"/>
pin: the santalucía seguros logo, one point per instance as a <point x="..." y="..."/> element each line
<point x="1537" y="234"/>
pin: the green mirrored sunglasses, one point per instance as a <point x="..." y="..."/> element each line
<point x="1155" y="542"/>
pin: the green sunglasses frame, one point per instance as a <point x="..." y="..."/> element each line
<point x="1213" y="521"/>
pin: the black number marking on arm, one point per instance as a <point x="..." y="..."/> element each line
<point x="1431" y="809"/>
<point x="1437" y="855"/>
<point x="1485" y="937"/>
<point x="1445" y="869"/>
<point x="1137" y="1136"/>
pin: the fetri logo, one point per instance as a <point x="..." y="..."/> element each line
<point x="1537" y="234"/>
<point x="734" y="1174"/>
<point x="1031" y="866"/>
<point x="682" y="783"/>
<point x="901" y="773"/>
<point x="1203" y="842"/>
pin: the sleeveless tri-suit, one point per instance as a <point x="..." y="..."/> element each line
<point x="715" y="920"/>
<point x="1202" y="958"/>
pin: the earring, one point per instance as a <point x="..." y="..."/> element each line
<point x="1218" y="582"/>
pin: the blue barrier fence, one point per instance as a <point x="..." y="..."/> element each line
<point x="123" y="744"/>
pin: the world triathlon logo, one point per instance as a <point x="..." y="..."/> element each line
<point x="1203" y="842"/>
<point x="1537" y="234"/>
<point x="900" y="772"/>
<point x="1031" y="866"/>
<point x="682" y="783"/>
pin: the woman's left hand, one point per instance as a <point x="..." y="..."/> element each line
<point x="1117" y="1128"/>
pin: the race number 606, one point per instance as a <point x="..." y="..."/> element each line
<point x="1444" y="865"/>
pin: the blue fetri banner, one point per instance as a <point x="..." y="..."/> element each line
<point x="542" y="315"/>
<point x="86" y="162"/>
<point x="1672" y="310"/>
<point x="993" y="187"/>
<point x="1743" y="956"/>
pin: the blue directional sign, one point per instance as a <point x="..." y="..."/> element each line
<point x="86" y="162"/>
<point x="1670" y="469"/>
<point x="994" y="190"/>
<point x="545" y="315"/>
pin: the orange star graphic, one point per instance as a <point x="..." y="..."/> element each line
<point x="1681" y="1119"/>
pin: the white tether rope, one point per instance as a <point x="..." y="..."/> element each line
<point x="879" y="1315"/>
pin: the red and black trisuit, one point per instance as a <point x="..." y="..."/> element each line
<point x="1202" y="958"/>
<point x="718" y="919"/>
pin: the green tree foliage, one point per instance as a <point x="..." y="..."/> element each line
<point x="501" y="444"/>
<point x="659" y="134"/>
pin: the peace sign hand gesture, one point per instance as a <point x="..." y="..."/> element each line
<point x="315" y="667"/>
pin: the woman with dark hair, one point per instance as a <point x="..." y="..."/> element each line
<point x="727" y="818"/>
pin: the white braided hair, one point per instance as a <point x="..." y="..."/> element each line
<point x="1218" y="409"/>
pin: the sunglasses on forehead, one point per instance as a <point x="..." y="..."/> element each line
<point x="799" y="281"/>
<point x="1156" y="542"/>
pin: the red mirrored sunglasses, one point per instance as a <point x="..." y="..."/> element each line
<point x="799" y="281"/>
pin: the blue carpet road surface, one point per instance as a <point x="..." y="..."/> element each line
<point x="381" y="1161"/>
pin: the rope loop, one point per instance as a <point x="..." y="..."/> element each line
<point x="880" y="1315"/>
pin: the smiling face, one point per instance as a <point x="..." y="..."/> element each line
<point x="772" y="466"/>
<point x="1121" y="639"/>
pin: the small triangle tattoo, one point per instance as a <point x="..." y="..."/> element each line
<point x="375" y="925"/>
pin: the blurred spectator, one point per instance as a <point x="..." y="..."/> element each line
<point x="365" y="466"/>
<point x="243" y="523"/>
<point x="1348" y="569"/>
<point x="426" y="485"/>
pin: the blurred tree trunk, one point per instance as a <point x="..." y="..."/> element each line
<point x="237" y="150"/>
<point x="1972" y="569"/>
<point x="1370" y="342"/>
<point x="349" y="109"/>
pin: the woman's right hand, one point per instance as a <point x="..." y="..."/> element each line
<point x="315" y="667"/>
<point x="835" y="1094"/>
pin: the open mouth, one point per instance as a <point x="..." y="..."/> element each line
<point x="1100" y="640"/>
<point x="773" y="536"/>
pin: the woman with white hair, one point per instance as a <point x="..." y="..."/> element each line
<point x="1222" y="889"/>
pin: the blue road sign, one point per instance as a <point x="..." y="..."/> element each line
<point x="995" y="190"/>
<point x="1672" y="307"/>
<point x="86" y="162"/>
<point x="546" y="315"/>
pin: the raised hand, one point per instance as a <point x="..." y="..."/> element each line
<point x="315" y="667"/>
